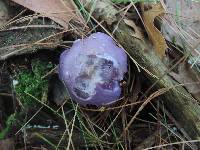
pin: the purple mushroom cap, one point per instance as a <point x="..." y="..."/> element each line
<point x="92" y="69"/>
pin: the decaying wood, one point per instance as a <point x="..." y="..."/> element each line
<point x="180" y="103"/>
<point x="25" y="40"/>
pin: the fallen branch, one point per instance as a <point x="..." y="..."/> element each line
<point x="181" y="104"/>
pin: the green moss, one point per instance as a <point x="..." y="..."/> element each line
<point x="9" y="123"/>
<point x="30" y="82"/>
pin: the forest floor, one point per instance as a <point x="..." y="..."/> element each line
<point x="36" y="111"/>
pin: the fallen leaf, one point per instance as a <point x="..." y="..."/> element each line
<point x="61" y="11"/>
<point x="182" y="21"/>
<point x="181" y="26"/>
<point x="153" y="33"/>
<point x="189" y="78"/>
<point x="138" y="34"/>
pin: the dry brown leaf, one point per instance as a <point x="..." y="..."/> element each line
<point x="61" y="11"/>
<point x="189" y="78"/>
<point x="138" y="34"/>
<point x="154" y="34"/>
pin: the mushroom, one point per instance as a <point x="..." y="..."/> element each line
<point x="92" y="69"/>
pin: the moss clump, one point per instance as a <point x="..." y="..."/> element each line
<point x="9" y="123"/>
<point x="31" y="85"/>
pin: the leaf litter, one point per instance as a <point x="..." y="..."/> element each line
<point x="61" y="11"/>
<point x="102" y="122"/>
